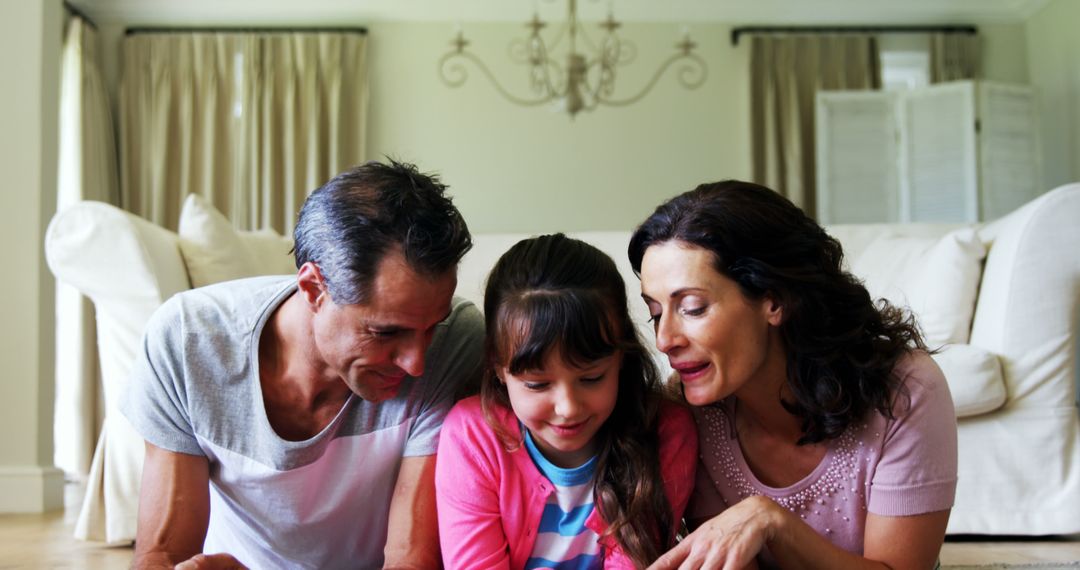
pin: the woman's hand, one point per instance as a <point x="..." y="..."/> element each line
<point x="728" y="541"/>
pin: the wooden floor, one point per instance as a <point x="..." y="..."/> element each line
<point x="45" y="541"/>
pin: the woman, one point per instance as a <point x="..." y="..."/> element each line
<point x="827" y="434"/>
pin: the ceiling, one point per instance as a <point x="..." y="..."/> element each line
<point x="361" y="12"/>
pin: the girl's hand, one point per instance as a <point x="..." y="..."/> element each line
<point x="728" y="541"/>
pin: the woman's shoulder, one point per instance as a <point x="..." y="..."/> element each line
<point x="918" y="372"/>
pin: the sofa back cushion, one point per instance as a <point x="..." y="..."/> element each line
<point x="215" y="251"/>
<point x="937" y="279"/>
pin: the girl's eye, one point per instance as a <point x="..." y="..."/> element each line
<point x="535" y="386"/>
<point x="593" y="380"/>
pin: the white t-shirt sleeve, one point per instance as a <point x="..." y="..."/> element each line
<point x="155" y="401"/>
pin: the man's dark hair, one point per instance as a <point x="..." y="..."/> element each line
<point x="349" y="224"/>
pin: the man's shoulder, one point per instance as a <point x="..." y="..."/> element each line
<point x="232" y="302"/>
<point x="459" y="339"/>
<point x="239" y="291"/>
<point x="465" y="316"/>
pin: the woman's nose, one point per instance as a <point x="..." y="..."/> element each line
<point x="668" y="334"/>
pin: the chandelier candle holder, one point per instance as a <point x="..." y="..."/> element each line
<point x="583" y="80"/>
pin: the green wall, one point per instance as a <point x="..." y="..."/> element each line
<point x="29" y="111"/>
<point x="533" y="169"/>
<point x="1004" y="53"/>
<point x="1053" y="50"/>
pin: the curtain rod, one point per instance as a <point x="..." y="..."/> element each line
<point x="226" y="30"/>
<point x="77" y="12"/>
<point x="948" y="29"/>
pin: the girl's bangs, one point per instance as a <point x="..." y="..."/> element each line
<point x="576" y="323"/>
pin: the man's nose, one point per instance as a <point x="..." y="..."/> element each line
<point x="410" y="356"/>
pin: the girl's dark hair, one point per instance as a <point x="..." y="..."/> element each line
<point x="841" y="347"/>
<point x="553" y="293"/>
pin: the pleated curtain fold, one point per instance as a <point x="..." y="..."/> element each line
<point x="87" y="171"/>
<point x="252" y="122"/>
<point x="954" y="57"/>
<point x="786" y="72"/>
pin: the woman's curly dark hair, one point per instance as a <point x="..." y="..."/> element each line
<point x="841" y="346"/>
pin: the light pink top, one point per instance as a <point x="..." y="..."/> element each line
<point x="899" y="467"/>
<point x="490" y="500"/>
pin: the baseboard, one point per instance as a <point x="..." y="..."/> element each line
<point x="31" y="489"/>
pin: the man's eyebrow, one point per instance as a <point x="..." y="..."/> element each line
<point x="395" y="326"/>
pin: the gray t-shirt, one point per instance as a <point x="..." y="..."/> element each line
<point x="318" y="503"/>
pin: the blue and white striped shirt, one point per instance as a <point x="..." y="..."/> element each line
<point x="563" y="542"/>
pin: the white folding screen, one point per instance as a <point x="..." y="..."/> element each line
<point x="939" y="182"/>
<point x="860" y="170"/>
<point x="1010" y="172"/>
<point x="952" y="152"/>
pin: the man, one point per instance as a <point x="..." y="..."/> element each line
<point x="293" y="421"/>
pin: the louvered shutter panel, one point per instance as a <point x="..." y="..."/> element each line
<point x="1010" y="170"/>
<point x="857" y="157"/>
<point x="939" y="182"/>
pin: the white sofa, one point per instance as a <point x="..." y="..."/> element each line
<point x="1004" y="297"/>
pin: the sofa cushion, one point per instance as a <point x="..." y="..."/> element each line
<point x="215" y="251"/>
<point x="974" y="377"/>
<point x="937" y="279"/>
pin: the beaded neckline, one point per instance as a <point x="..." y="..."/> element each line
<point x="835" y="479"/>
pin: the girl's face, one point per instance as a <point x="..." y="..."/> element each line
<point x="563" y="406"/>
<point x="717" y="339"/>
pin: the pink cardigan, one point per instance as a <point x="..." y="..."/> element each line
<point x="490" y="501"/>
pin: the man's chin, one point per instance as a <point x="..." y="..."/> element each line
<point x="378" y="394"/>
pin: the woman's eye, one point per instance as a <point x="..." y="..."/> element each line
<point x="694" y="311"/>
<point x="654" y="318"/>
<point x="593" y="380"/>
<point x="535" y="386"/>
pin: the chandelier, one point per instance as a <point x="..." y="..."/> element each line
<point x="582" y="81"/>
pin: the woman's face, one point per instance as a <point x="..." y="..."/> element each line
<point x="718" y="340"/>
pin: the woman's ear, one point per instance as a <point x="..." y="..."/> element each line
<point x="774" y="311"/>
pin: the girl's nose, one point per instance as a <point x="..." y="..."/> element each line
<point x="567" y="404"/>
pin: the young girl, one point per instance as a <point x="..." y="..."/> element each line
<point x="570" y="457"/>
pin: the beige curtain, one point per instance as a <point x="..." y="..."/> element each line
<point x="87" y="171"/>
<point x="785" y="74"/>
<point x="954" y="57"/>
<point x="252" y="122"/>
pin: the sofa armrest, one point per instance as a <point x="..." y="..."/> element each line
<point x="127" y="266"/>
<point x="1029" y="299"/>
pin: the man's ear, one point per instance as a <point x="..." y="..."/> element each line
<point x="310" y="284"/>
<point x="774" y="311"/>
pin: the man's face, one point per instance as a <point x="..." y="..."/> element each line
<point x="373" y="346"/>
